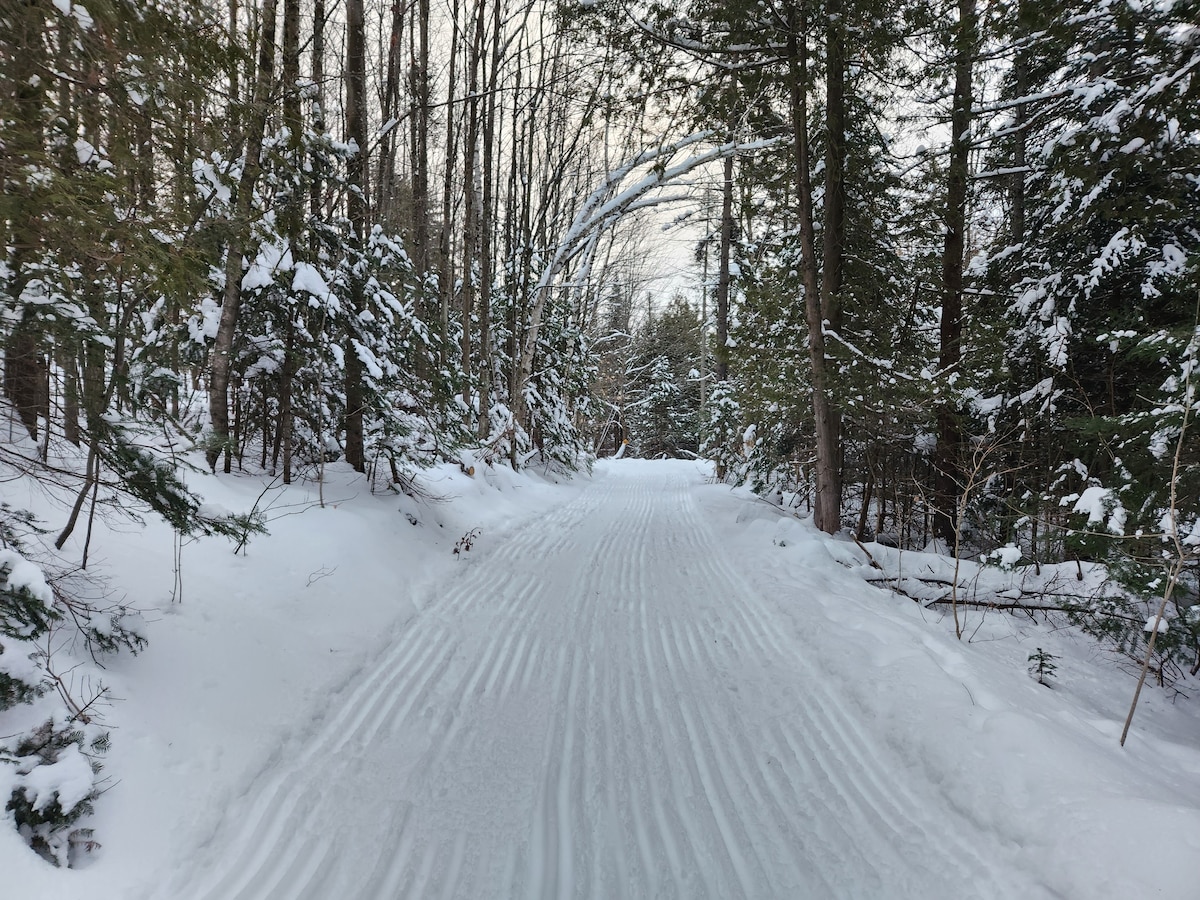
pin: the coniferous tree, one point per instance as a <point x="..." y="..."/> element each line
<point x="664" y="384"/>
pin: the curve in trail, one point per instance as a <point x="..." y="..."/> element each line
<point x="600" y="707"/>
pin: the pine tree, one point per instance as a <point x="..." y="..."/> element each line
<point x="1105" y="292"/>
<point x="664" y="385"/>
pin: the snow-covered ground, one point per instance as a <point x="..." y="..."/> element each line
<point x="634" y="684"/>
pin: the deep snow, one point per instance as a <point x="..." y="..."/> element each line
<point x="634" y="684"/>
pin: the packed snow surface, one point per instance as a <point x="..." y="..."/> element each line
<point x="639" y="685"/>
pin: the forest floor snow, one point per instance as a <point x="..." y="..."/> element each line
<point x="633" y="684"/>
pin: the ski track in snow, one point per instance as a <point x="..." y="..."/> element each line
<point x="601" y="707"/>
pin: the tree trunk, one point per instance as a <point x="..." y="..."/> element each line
<point x="446" y="294"/>
<point x="356" y="128"/>
<point x="70" y="367"/>
<point x="470" y="243"/>
<point x="721" y="352"/>
<point x="520" y="289"/>
<point x="23" y="374"/>
<point x="827" y="502"/>
<point x="231" y="300"/>
<point x="420" y="162"/>
<point x="949" y="439"/>
<point x="233" y="68"/>
<point x="318" y="111"/>
<point x="316" y="208"/>
<point x="1016" y="215"/>
<point x="387" y="207"/>
<point x="829" y="435"/>
<point x="290" y="221"/>
<point x="486" y="229"/>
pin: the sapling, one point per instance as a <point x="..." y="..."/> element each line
<point x="1042" y="666"/>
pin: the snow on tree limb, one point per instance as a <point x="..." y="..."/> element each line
<point x="609" y="202"/>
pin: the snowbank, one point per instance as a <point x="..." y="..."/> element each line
<point x="250" y="651"/>
<point x="1039" y="769"/>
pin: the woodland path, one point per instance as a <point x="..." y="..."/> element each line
<point x="602" y="706"/>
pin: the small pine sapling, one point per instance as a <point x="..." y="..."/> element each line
<point x="1042" y="666"/>
<point x="56" y="765"/>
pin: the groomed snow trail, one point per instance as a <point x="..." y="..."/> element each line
<point x="599" y="707"/>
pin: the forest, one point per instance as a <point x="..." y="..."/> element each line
<point x="944" y="281"/>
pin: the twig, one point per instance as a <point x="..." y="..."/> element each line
<point x="89" y="477"/>
<point x="870" y="558"/>
<point x="316" y="576"/>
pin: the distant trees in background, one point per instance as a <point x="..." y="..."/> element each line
<point x="664" y="382"/>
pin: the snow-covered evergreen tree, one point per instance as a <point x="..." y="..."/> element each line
<point x="664" y="382"/>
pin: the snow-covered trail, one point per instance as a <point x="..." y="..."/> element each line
<point x="600" y="707"/>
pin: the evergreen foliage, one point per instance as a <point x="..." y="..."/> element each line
<point x="45" y="809"/>
<point x="664" y="383"/>
<point x="1042" y="666"/>
<point x="47" y="773"/>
